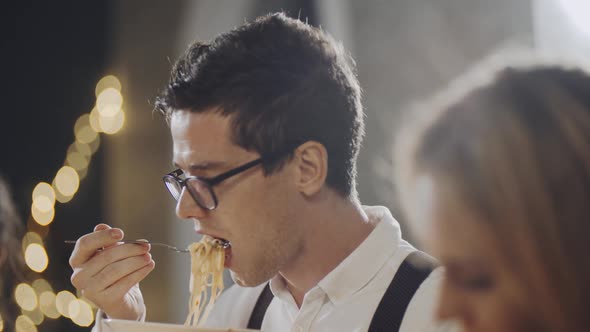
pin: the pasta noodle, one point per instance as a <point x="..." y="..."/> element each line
<point x="207" y="260"/>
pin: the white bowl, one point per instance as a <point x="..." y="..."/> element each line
<point x="117" y="325"/>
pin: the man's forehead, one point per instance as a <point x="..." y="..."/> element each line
<point x="199" y="128"/>
<point x="202" y="140"/>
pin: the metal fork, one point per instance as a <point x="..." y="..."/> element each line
<point x="173" y="248"/>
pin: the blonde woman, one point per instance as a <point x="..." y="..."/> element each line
<point x="498" y="179"/>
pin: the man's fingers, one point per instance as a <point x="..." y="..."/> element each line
<point x="123" y="285"/>
<point x="101" y="227"/>
<point x="112" y="273"/>
<point x="86" y="273"/>
<point x="87" y="245"/>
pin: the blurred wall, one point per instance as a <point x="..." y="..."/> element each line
<point x="407" y="50"/>
<point x="555" y="32"/>
<point x="144" y="34"/>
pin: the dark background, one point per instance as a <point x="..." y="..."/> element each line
<point x="53" y="53"/>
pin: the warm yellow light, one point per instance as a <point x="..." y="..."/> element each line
<point x="83" y="148"/>
<point x="43" y="203"/>
<point x="1" y="324"/>
<point x="31" y="237"/>
<point x="43" y="197"/>
<point x="74" y="308"/>
<point x="83" y="131"/>
<point x="36" y="258"/>
<point x="36" y="316"/>
<point x="86" y="134"/>
<point x="62" y="302"/>
<point x="94" y="144"/>
<point x="59" y="196"/>
<point x="47" y="304"/>
<point x="43" y="218"/>
<point x="112" y="124"/>
<point x="109" y="102"/>
<point x="94" y="115"/>
<point x="67" y="181"/>
<point x="82" y="173"/>
<point x="81" y="313"/>
<point x="76" y="160"/>
<point x="109" y="81"/>
<point x="41" y="286"/>
<point x="25" y="297"/>
<point x="24" y="324"/>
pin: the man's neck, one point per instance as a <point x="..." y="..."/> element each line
<point x="334" y="233"/>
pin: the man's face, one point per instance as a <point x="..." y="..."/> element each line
<point x="255" y="213"/>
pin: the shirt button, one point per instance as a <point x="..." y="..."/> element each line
<point x="298" y="328"/>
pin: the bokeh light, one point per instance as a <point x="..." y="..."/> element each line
<point x="41" y="285"/>
<point x="43" y="218"/>
<point x="24" y="324"/>
<point x="59" y="196"/>
<point x="25" y="297"/>
<point x="94" y="145"/>
<point x="94" y="117"/>
<point x="47" y="305"/>
<point x="67" y="181"/>
<point x="36" y="258"/>
<point x="31" y="237"/>
<point x="83" y="131"/>
<point x="83" y="148"/>
<point x="81" y="313"/>
<point x="112" y="124"/>
<point x="36" y="315"/>
<point x="43" y="197"/>
<point x="109" y="102"/>
<point x="109" y="81"/>
<point x="62" y="302"/>
<point x="77" y="160"/>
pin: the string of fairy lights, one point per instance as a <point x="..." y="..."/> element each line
<point x="38" y="300"/>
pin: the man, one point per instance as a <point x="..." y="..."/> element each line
<point x="266" y="123"/>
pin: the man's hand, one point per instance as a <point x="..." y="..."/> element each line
<point x="108" y="273"/>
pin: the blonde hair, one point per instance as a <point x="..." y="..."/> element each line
<point x="516" y="151"/>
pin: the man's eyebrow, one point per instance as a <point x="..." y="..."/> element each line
<point x="207" y="165"/>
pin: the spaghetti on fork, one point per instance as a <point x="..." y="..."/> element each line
<point x="207" y="261"/>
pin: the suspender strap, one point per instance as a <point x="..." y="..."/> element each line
<point x="390" y="312"/>
<point x="260" y="307"/>
<point x="408" y="278"/>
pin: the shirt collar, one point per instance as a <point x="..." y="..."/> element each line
<point x="356" y="270"/>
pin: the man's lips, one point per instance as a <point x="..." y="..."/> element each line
<point x="222" y="241"/>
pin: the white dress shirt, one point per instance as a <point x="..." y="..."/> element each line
<point x="346" y="298"/>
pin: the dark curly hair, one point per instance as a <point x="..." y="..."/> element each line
<point x="281" y="82"/>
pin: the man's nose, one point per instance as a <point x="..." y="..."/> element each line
<point x="187" y="207"/>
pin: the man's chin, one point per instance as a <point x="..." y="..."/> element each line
<point x="244" y="281"/>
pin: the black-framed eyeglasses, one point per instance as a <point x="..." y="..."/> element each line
<point x="201" y="188"/>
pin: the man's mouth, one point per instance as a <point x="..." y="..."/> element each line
<point x="221" y="243"/>
<point x="226" y="245"/>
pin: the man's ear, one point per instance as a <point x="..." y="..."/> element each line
<point x="312" y="167"/>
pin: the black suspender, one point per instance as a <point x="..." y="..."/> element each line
<point x="260" y="307"/>
<point x="390" y="312"/>
<point x="410" y="275"/>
